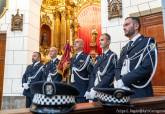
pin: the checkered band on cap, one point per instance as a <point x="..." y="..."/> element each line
<point x="41" y="99"/>
<point x="111" y="99"/>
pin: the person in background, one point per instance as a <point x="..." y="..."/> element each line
<point x="104" y="69"/>
<point x="81" y="67"/>
<point x="138" y="60"/>
<point x="33" y="73"/>
<point x="50" y="72"/>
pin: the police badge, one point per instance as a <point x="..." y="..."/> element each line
<point x="52" y="97"/>
<point x="49" y="89"/>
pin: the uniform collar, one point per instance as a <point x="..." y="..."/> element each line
<point x="54" y="59"/>
<point x="78" y="53"/>
<point x="36" y="63"/>
<point x="105" y="52"/>
<point x="135" y="37"/>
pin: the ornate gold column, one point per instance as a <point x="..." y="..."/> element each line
<point x="52" y="37"/>
<point x="76" y="26"/>
<point x="63" y="28"/>
<point x="57" y="30"/>
<point x="68" y="25"/>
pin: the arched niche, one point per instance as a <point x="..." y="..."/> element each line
<point x="45" y="36"/>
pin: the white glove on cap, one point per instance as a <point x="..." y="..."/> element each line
<point x="120" y="84"/>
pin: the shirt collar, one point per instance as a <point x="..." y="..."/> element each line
<point x="54" y="59"/>
<point x="78" y="53"/>
<point x="105" y="52"/>
<point x="135" y="37"/>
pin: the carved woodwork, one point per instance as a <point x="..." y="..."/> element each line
<point x="17" y="22"/>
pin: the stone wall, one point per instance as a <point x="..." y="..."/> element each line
<point x="19" y="46"/>
<point x="129" y="7"/>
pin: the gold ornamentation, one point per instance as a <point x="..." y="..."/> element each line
<point x="114" y="8"/>
<point x="45" y="19"/>
<point x="17" y="22"/>
<point x="65" y="23"/>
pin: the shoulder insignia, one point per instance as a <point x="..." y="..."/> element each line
<point x="81" y="61"/>
<point x="152" y="46"/>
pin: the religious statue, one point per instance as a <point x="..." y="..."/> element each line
<point x="93" y="44"/>
<point x="44" y="46"/>
<point x="44" y="40"/>
<point x="94" y="36"/>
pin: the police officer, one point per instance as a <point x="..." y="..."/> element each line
<point x="51" y="72"/>
<point x="81" y="67"/>
<point x="138" y="60"/>
<point x="32" y="74"/>
<point x="103" y="73"/>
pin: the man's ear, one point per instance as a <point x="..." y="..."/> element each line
<point x="136" y="25"/>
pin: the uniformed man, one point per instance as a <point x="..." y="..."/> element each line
<point x="32" y="74"/>
<point x="137" y="62"/>
<point x="103" y="73"/>
<point x="81" y="67"/>
<point x="51" y="72"/>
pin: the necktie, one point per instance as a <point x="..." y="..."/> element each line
<point x="33" y="64"/>
<point x="104" y="55"/>
<point x="76" y="56"/>
<point x="130" y="44"/>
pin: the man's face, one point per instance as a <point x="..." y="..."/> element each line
<point x="129" y="27"/>
<point x="52" y="53"/>
<point x="77" y="44"/>
<point x="35" y="57"/>
<point x="103" y="42"/>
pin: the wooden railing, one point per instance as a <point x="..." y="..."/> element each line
<point x="150" y="105"/>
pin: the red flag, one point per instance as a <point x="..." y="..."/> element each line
<point x="65" y="60"/>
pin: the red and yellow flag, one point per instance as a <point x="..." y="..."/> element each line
<point x="63" y="64"/>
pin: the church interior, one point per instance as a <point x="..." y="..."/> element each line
<point x="37" y="25"/>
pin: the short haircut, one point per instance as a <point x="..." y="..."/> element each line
<point x="107" y="36"/>
<point x="39" y="54"/>
<point x="135" y="19"/>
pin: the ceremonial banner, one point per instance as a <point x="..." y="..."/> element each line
<point x="65" y="60"/>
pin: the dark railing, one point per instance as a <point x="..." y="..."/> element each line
<point x="149" y="105"/>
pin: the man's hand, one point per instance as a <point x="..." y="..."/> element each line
<point x="25" y="85"/>
<point x="120" y="84"/>
<point x="92" y="94"/>
<point x="87" y="95"/>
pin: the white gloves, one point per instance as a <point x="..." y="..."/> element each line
<point x="87" y="95"/>
<point x="25" y="85"/>
<point x="49" y="79"/>
<point x="120" y="84"/>
<point x="92" y="94"/>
